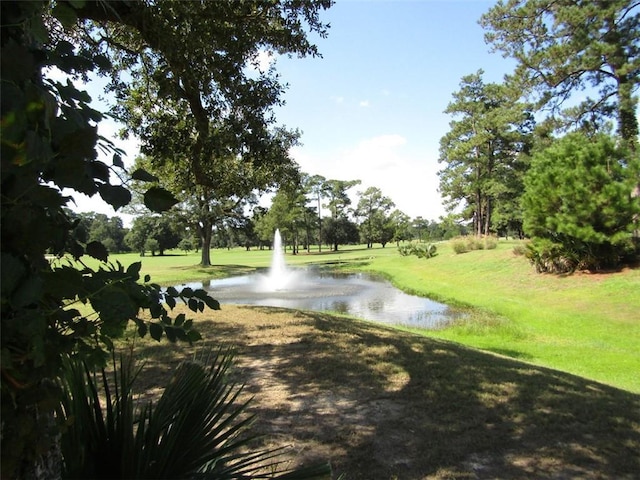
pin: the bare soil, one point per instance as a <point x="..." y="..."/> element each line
<point x="378" y="403"/>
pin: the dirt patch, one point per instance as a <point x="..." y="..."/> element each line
<point x="382" y="404"/>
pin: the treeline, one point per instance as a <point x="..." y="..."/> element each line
<point x="297" y="212"/>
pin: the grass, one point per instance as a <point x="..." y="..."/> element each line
<point x="382" y="403"/>
<point x="586" y="324"/>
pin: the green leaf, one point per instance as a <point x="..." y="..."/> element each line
<point x="171" y="302"/>
<point x="212" y="303"/>
<point x="172" y="291"/>
<point x="65" y="14"/>
<point x="156" y="310"/>
<point x="171" y="333"/>
<point x="97" y="250"/>
<point x="147" y="277"/>
<point x="193" y="304"/>
<point x="155" y="330"/>
<point x="187" y="292"/>
<point x="134" y="270"/>
<point x="142" y="329"/>
<point x="143" y="176"/>
<point x="12" y="272"/>
<point x="193" y="336"/>
<point x="99" y="170"/>
<point x="29" y="292"/>
<point x="115" y="195"/>
<point x="102" y="62"/>
<point x="158" y="199"/>
<point x="117" y="160"/>
<point x="179" y="320"/>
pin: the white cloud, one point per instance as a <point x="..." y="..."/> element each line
<point x="262" y="61"/>
<point x="337" y="99"/>
<point x="364" y="103"/>
<point x="385" y="162"/>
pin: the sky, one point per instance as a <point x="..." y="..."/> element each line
<point x="372" y="107"/>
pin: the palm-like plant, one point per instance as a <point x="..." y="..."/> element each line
<point x="195" y="430"/>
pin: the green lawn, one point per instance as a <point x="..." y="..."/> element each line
<point x="586" y="324"/>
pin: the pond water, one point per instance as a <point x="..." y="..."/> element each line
<point x="357" y="294"/>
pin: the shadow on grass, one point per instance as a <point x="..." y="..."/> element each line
<point x="381" y="403"/>
<point x="510" y="353"/>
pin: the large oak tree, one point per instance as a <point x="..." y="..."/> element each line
<point x="196" y="52"/>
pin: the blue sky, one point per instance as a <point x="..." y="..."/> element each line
<point x="372" y="107"/>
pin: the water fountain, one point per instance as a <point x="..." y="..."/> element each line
<point x="279" y="277"/>
<point x="320" y="289"/>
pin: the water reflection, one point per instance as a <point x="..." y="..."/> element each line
<point x="357" y="294"/>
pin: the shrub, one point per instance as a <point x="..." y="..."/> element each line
<point x="578" y="205"/>
<point x="520" y="250"/>
<point x="459" y="245"/>
<point x="196" y="429"/>
<point x="420" y="250"/>
<point x="469" y="243"/>
<point x="490" y="243"/>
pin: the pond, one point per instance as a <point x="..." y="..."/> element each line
<point x="358" y="294"/>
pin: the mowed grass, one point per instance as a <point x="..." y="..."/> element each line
<point x="585" y="324"/>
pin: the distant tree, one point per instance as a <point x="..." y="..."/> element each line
<point x="449" y="227"/>
<point x="186" y="245"/>
<point x="289" y="214"/>
<point x="564" y="47"/>
<point x="373" y="208"/>
<point x="109" y="231"/>
<point x="484" y="150"/>
<point x="318" y="190"/>
<point x="421" y="228"/>
<point x="577" y="204"/>
<point x="338" y="196"/>
<point x="166" y="231"/>
<point x="401" y="223"/>
<point x="139" y="232"/>
<point x="341" y="231"/>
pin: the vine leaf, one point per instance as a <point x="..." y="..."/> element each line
<point x="115" y="195"/>
<point x="142" y="175"/>
<point x="157" y="199"/>
<point x="97" y="250"/>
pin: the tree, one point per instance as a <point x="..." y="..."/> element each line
<point x="160" y="231"/>
<point x="339" y="200"/>
<point x="318" y="189"/>
<point x="563" y="47"/>
<point x="50" y="142"/>
<point x="202" y="108"/>
<point x="401" y="226"/>
<point x="483" y="151"/>
<point x="373" y="207"/>
<point x="338" y="205"/>
<point x="289" y="214"/>
<point x="577" y="204"/>
<point x="109" y="231"/>
<point x="224" y="185"/>
<point x="340" y="231"/>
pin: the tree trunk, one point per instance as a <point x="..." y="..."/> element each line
<point x="319" y="226"/>
<point x="205" y="236"/>
<point x="487" y="217"/>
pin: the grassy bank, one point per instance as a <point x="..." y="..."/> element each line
<point x="586" y="324"/>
